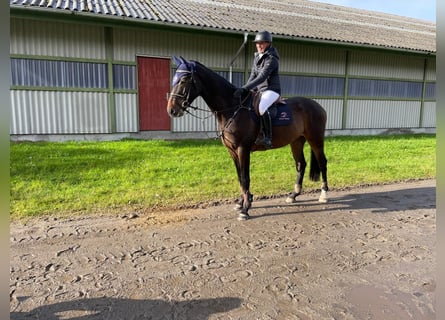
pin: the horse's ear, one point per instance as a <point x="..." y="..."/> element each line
<point x="183" y="60"/>
<point x="177" y="61"/>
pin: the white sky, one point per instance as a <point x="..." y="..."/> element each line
<point x="419" y="9"/>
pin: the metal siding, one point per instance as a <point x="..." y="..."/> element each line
<point x="430" y="70"/>
<point x="55" y="112"/>
<point x="386" y="65"/>
<point x="429" y="115"/>
<point x="368" y="114"/>
<point x="56" y="39"/>
<point x="126" y="112"/>
<point x="213" y="51"/>
<point x="199" y="121"/>
<point x="334" y="109"/>
<point x="311" y="60"/>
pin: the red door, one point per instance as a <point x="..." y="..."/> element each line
<point x="153" y="86"/>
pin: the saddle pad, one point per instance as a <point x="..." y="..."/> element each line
<point x="281" y="116"/>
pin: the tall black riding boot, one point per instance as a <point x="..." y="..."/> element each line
<point x="267" y="129"/>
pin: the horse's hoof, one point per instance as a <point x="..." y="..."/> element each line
<point x="243" y="216"/>
<point x="290" y="200"/>
<point x="323" y="197"/>
<point x="238" y="207"/>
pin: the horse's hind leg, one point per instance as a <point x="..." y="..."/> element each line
<point x="319" y="164"/>
<point x="300" y="164"/>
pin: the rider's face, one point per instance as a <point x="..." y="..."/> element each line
<point x="261" y="46"/>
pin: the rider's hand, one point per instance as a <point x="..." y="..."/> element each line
<point x="239" y="92"/>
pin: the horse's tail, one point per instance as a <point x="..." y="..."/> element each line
<point x="314" y="173"/>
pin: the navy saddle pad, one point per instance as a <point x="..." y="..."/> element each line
<point x="280" y="114"/>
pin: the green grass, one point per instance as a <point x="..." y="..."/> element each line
<point x="88" y="177"/>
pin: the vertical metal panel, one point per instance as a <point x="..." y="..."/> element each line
<point x="55" y="112"/>
<point x="126" y="112"/>
<point x="312" y="60"/>
<point x="213" y="51"/>
<point x="366" y="114"/>
<point x="334" y="109"/>
<point x="57" y="39"/>
<point x="429" y="115"/>
<point x="430" y="70"/>
<point x="199" y="121"/>
<point x="386" y="65"/>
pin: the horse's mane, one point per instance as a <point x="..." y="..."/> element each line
<point x="221" y="78"/>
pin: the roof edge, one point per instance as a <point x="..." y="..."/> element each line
<point x="30" y="12"/>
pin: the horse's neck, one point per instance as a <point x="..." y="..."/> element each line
<point x="217" y="92"/>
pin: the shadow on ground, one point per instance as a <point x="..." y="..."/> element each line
<point x="128" y="309"/>
<point x="377" y="202"/>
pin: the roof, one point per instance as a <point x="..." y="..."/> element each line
<point x="294" y="19"/>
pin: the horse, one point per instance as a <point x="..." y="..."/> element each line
<point x="239" y="126"/>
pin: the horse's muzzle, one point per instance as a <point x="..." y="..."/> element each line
<point x="173" y="108"/>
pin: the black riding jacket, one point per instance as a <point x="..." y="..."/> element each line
<point x="264" y="74"/>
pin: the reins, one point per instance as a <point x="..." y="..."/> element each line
<point x="187" y="104"/>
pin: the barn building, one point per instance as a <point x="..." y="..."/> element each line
<point x="101" y="69"/>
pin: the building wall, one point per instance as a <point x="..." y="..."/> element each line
<point x="81" y="78"/>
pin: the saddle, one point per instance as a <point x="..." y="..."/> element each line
<point x="279" y="110"/>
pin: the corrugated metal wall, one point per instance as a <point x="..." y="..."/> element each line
<point x="379" y="65"/>
<point x="56" y="112"/>
<point x="214" y="51"/>
<point x="310" y="60"/>
<point x="200" y="121"/>
<point x="365" y="114"/>
<point x="79" y="110"/>
<point x="429" y="115"/>
<point x="127" y="114"/>
<point x="334" y="111"/>
<point x="430" y="74"/>
<point x="56" y="39"/>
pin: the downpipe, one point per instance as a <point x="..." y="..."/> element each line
<point x="246" y="34"/>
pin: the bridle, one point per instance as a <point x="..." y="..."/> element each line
<point x="185" y="96"/>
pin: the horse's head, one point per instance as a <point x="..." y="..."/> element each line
<point x="184" y="89"/>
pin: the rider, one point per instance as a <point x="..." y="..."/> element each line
<point x="264" y="78"/>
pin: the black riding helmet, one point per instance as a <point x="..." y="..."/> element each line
<point x="263" y="36"/>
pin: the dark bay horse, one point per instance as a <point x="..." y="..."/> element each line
<point x="239" y="127"/>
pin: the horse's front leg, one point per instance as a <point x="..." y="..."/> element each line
<point x="243" y="168"/>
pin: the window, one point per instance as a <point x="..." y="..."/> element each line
<point x="124" y="77"/>
<point x="430" y="91"/>
<point x="52" y="73"/>
<point x="312" y="86"/>
<point x="384" y="89"/>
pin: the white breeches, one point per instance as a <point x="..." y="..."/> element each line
<point x="267" y="98"/>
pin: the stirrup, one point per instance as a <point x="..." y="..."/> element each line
<point x="265" y="142"/>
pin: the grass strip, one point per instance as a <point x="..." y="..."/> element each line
<point x="66" y="178"/>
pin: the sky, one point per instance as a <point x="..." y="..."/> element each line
<point x="419" y="9"/>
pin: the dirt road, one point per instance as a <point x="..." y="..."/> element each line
<point x="367" y="254"/>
